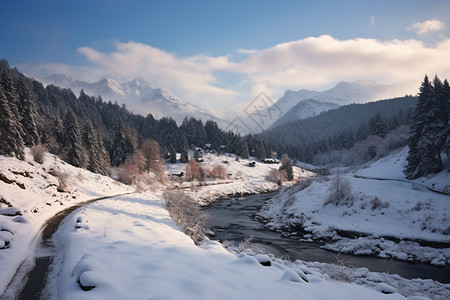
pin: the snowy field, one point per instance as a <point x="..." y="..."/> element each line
<point x="390" y="215"/>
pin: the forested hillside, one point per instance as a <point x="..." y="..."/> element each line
<point x="340" y="128"/>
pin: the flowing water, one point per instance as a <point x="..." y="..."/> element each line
<point x="233" y="220"/>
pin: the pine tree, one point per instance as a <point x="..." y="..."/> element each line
<point x="28" y="110"/>
<point x="73" y="146"/>
<point x="11" y="142"/>
<point x="172" y="154"/>
<point x="184" y="158"/>
<point x="377" y="126"/>
<point x="121" y="147"/>
<point x="428" y="133"/>
<point x="260" y="151"/>
<point x="96" y="153"/>
<point x="11" y="131"/>
<point x="244" y="150"/>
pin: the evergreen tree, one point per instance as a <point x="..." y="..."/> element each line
<point x="172" y="154"/>
<point x="96" y="153"/>
<point x="260" y="151"/>
<point x="28" y="110"/>
<point x="429" y="130"/>
<point x="377" y="126"/>
<point x="11" y="142"/>
<point x="121" y="147"/>
<point x="73" y="146"/>
<point x="244" y="150"/>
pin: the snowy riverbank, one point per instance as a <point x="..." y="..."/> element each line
<point x="390" y="218"/>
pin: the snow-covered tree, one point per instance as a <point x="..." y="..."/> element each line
<point x="73" y="146"/>
<point x="377" y="126"/>
<point x="28" y="111"/>
<point x="11" y="142"/>
<point x="172" y="154"/>
<point x="429" y="130"/>
<point x="121" y="147"/>
<point x="97" y="159"/>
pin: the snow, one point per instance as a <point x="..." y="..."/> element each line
<point x="37" y="202"/>
<point x="128" y="247"/>
<point x="242" y="179"/>
<point x="390" y="214"/>
<point x="133" y="250"/>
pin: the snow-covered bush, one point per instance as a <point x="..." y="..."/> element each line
<point x="38" y="153"/>
<point x="187" y="214"/>
<point x="275" y="176"/>
<point x="377" y="204"/>
<point x="340" y="192"/>
<point x="397" y="138"/>
<point x="63" y="180"/>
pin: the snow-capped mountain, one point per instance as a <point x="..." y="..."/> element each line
<point x="138" y="95"/>
<point x="304" y="109"/>
<point x="360" y="91"/>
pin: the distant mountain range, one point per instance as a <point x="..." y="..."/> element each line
<point x="302" y="104"/>
<point x="139" y="96"/>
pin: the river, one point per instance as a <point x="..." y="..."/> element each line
<point x="233" y="220"/>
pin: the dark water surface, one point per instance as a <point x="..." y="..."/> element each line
<point x="233" y="220"/>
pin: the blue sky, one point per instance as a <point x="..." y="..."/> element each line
<point x="226" y="49"/>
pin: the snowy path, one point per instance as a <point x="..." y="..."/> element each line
<point x="30" y="278"/>
<point x="414" y="184"/>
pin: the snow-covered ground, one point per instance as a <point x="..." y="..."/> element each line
<point x="391" y="215"/>
<point x="241" y="180"/>
<point x="127" y="247"/>
<point x="31" y="197"/>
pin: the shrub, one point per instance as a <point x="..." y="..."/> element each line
<point x="187" y="214"/>
<point x="275" y="176"/>
<point x="341" y="192"/>
<point x="377" y="204"/>
<point x="63" y="180"/>
<point x="219" y="171"/>
<point x="128" y="174"/>
<point x="38" y="153"/>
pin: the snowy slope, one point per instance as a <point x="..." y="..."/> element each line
<point x="139" y="96"/>
<point x="32" y="194"/>
<point x="304" y="109"/>
<point x="386" y="208"/>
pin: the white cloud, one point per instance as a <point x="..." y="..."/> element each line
<point x="427" y="27"/>
<point x="314" y="62"/>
